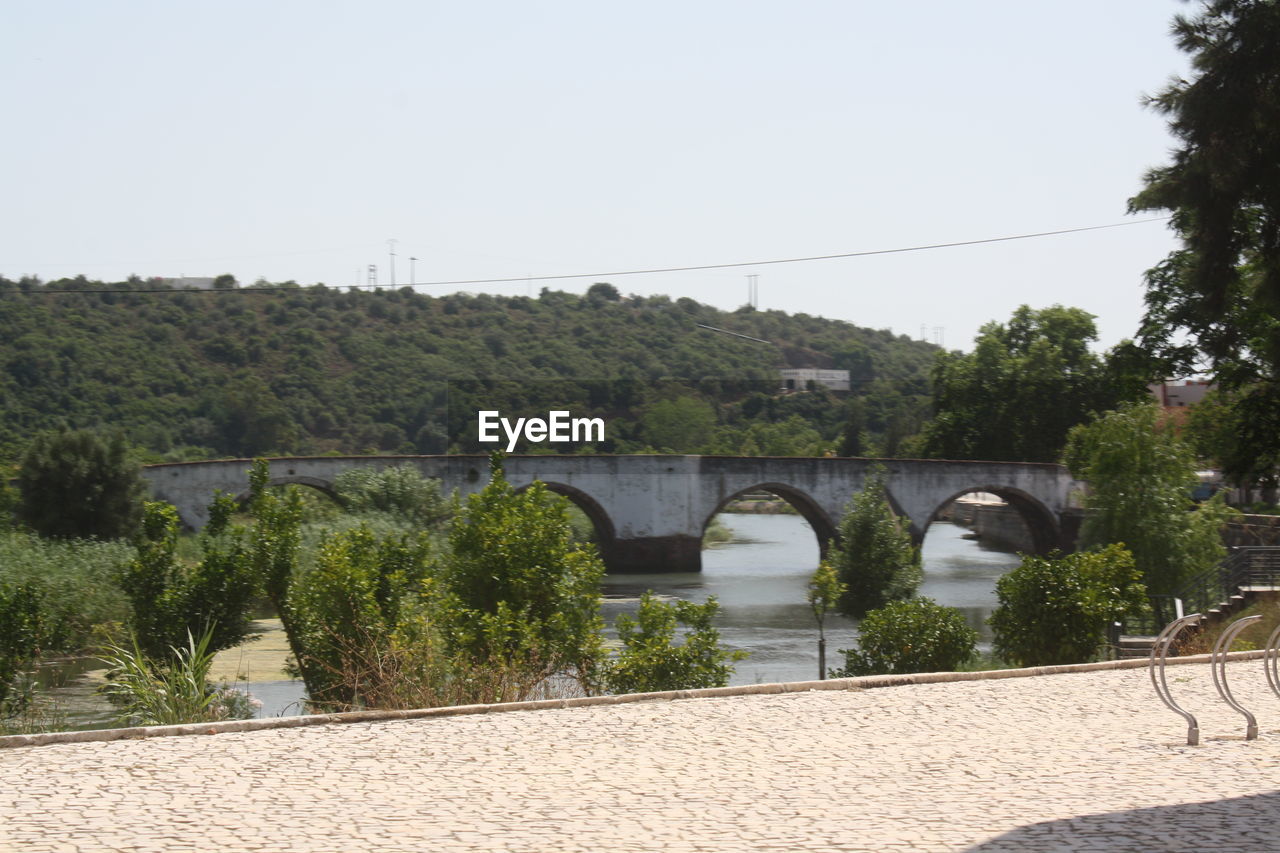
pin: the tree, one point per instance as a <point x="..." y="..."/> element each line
<point x="902" y="637"/>
<point x="823" y="593"/>
<point x="874" y="556"/>
<point x="252" y="419"/>
<point x="172" y="602"/>
<point x="1056" y="610"/>
<point x="76" y="485"/>
<point x="853" y="436"/>
<point x="602" y="292"/>
<point x="1235" y="429"/>
<point x="1215" y="303"/>
<point x="8" y="501"/>
<point x="348" y="610"/>
<point x="400" y="491"/>
<point x="1140" y="477"/>
<point x="650" y="661"/>
<point x="682" y="425"/>
<point x="518" y="585"/>
<point x="1025" y="384"/>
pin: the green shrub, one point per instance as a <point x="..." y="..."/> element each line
<point x="172" y="601"/>
<point x="75" y="581"/>
<point x="1055" y="610"/>
<point x="347" y="609"/>
<point x="399" y="491"/>
<point x="514" y="582"/>
<point x="650" y="661"/>
<point x="916" y="635"/>
<point x="22" y="632"/>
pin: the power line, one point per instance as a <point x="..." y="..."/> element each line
<point x="657" y="270"/>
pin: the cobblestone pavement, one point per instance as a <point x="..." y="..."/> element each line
<point x="1084" y="761"/>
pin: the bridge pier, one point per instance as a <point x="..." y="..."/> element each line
<point x="653" y="555"/>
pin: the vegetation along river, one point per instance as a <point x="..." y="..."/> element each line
<point x="759" y="579"/>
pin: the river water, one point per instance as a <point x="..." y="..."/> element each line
<point x="759" y="578"/>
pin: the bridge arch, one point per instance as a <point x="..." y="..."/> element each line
<point x="591" y="508"/>
<point x="1042" y="526"/>
<point x="810" y="510"/>
<point x="316" y="483"/>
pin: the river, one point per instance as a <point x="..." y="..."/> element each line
<point x="759" y="578"/>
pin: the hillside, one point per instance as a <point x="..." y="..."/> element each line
<point x="192" y="374"/>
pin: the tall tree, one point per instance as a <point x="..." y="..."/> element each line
<point x="76" y="485"/>
<point x="874" y="557"/>
<point x="1025" y="384"/>
<point x="1140" y="477"/>
<point x="1215" y="303"/>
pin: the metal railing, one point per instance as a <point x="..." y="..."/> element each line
<point x="1245" y="567"/>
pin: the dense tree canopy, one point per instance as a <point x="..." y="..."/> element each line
<point x="1140" y="477"/>
<point x="1215" y="303"/>
<point x="874" y="558"/>
<point x="78" y="485"/>
<point x="1025" y="384"/>
<point x="240" y="372"/>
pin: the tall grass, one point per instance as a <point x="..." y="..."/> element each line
<point x="75" y="579"/>
<point x="173" y="692"/>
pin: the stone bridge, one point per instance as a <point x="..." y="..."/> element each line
<point x="650" y="511"/>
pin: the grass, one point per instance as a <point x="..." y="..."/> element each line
<point x="1253" y="637"/>
<point x="76" y="579"/>
<point x="717" y="533"/>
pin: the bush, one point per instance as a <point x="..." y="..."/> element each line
<point x="649" y="661"/>
<point x="874" y="556"/>
<point x="400" y="491"/>
<point x="515" y="584"/>
<point x="171" y="601"/>
<point x="22" y="632"/>
<point x="346" y="611"/>
<point x="1055" y="610"/>
<point x="74" y="485"/>
<point x="75" y="580"/>
<point x="917" y="635"/>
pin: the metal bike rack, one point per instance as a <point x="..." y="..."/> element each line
<point x="1271" y="661"/>
<point x="1160" y="652"/>
<point x="1219" y="665"/>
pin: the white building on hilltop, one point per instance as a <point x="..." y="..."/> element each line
<point x="798" y="378"/>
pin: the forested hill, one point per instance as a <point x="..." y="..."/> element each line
<point x="192" y="374"/>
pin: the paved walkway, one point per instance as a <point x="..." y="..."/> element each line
<point x="1086" y="761"/>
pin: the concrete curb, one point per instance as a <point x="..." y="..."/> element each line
<point x="866" y="682"/>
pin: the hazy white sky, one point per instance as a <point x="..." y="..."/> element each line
<point x="291" y="140"/>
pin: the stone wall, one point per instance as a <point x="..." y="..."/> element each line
<point x="1002" y="527"/>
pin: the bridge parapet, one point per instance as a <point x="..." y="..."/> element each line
<point x="650" y="510"/>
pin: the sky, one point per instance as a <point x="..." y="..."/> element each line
<point x="292" y="140"/>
